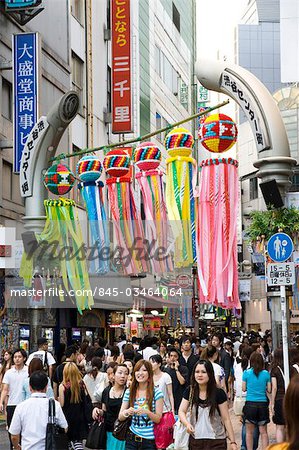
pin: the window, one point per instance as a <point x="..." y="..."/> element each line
<point x="77" y="9"/>
<point x="6" y="99"/>
<point x="176" y="17"/>
<point x="77" y="74"/>
<point x="6" y="180"/>
<point x="157" y="60"/>
<point x="253" y="188"/>
<point x="158" y="126"/>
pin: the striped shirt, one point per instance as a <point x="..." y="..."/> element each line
<point x="143" y="426"/>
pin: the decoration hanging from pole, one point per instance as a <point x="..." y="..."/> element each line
<point x="218" y="133"/>
<point x="62" y="234"/>
<point x="59" y="179"/>
<point x="147" y="158"/>
<point x="89" y="170"/>
<point x="217" y="234"/>
<point x="126" y="218"/>
<point x="180" y="184"/>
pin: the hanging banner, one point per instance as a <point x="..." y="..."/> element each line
<point x="121" y="66"/>
<point x="25" y="87"/>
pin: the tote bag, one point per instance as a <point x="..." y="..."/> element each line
<point x="97" y="436"/>
<point x="181" y="437"/>
<point x="56" y="438"/>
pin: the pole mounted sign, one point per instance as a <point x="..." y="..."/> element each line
<point x="25" y="85"/>
<point x="280" y="247"/>
<point x="121" y="66"/>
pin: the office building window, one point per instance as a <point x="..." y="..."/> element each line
<point x="6" y="180"/>
<point x="253" y="188"/>
<point x="176" y="17"/>
<point x="77" y="10"/>
<point x="6" y="99"/>
<point x="77" y="74"/>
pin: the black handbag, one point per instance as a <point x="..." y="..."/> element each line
<point x="121" y="428"/>
<point x="56" y="437"/>
<point x="97" y="436"/>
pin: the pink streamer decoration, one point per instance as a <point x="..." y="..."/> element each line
<point x="217" y="233"/>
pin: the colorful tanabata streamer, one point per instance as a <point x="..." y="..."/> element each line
<point x="217" y="233"/>
<point x="63" y="227"/>
<point x="147" y="158"/>
<point x="180" y="184"/>
<point x="92" y="194"/>
<point x="126" y="218"/>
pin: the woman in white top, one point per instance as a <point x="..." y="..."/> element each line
<point x="163" y="381"/>
<point x="210" y="353"/>
<point x="95" y="379"/>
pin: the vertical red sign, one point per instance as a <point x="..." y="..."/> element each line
<point x="121" y="67"/>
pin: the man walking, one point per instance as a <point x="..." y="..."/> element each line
<point x="225" y="359"/>
<point x="31" y="416"/>
<point x="12" y="385"/>
<point x="45" y="356"/>
<point x="187" y="357"/>
<point x="179" y="376"/>
<point x="71" y="354"/>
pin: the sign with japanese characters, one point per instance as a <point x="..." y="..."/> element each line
<point x="29" y="156"/>
<point x="280" y="274"/>
<point x="235" y="89"/>
<point x="25" y="84"/>
<point x="121" y="67"/>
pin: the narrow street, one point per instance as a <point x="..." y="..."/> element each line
<point x="4" y="444"/>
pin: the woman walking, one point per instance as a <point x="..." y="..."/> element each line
<point x="35" y="365"/>
<point x="5" y="366"/>
<point x="75" y="403"/>
<point x="210" y="353"/>
<point x="209" y="421"/>
<point x="95" y="379"/>
<point x="256" y="383"/>
<point x="144" y="403"/>
<point x="111" y="403"/>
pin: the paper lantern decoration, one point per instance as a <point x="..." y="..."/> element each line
<point x="89" y="168"/>
<point x="179" y="142"/>
<point x="147" y="156"/>
<point x="156" y="226"/>
<point x="180" y="184"/>
<point x="218" y="133"/>
<point x="59" y="179"/>
<point x="217" y="233"/>
<point x="117" y="163"/>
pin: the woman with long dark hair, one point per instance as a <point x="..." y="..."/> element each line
<point x="144" y="403"/>
<point x="209" y="416"/>
<point x="291" y="411"/>
<point x="256" y="383"/>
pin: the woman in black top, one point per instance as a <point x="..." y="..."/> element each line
<point x="209" y="420"/>
<point x="111" y="403"/>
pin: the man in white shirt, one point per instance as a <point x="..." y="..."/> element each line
<point x="31" y="416"/>
<point x="146" y="349"/>
<point x="12" y="385"/>
<point x="45" y="356"/>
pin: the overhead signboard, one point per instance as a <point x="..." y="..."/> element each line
<point x="121" y="66"/>
<point x="25" y="86"/>
<point x="280" y="247"/>
<point x="280" y="274"/>
<point x="250" y="106"/>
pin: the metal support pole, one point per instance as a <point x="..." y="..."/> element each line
<point x="284" y="327"/>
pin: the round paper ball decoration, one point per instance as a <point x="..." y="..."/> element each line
<point x="89" y="168"/>
<point x="179" y="141"/>
<point x="59" y="179"/>
<point x="117" y="163"/>
<point x="147" y="156"/>
<point x="218" y="133"/>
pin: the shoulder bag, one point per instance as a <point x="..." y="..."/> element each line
<point x="121" y="428"/>
<point x="97" y="436"/>
<point x="56" y="437"/>
<point x="181" y="437"/>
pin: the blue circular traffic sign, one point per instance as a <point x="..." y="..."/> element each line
<point x="280" y="247"/>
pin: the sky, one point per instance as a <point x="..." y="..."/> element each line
<point x="215" y="26"/>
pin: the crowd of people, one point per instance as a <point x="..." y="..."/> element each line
<point x="154" y="387"/>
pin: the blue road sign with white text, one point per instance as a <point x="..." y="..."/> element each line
<point x="280" y="247"/>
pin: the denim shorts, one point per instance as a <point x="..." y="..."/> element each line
<point x="256" y="413"/>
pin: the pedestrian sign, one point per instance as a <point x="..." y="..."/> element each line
<point x="280" y="247"/>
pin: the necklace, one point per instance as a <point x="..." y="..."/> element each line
<point x="114" y="394"/>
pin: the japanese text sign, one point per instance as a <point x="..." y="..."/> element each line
<point x="232" y="85"/>
<point x="25" y="70"/>
<point x="121" y="67"/>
